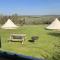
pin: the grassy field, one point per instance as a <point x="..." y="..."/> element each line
<point x="42" y="48"/>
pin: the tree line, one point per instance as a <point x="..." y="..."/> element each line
<point x="28" y="20"/>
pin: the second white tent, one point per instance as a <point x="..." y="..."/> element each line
<point x="54" y="25"/>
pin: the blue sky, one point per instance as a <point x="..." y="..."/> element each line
<point x="30" y="7"/>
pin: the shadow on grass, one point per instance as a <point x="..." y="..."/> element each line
<point x="54" y="34"/>
<point x="32" y="41"/>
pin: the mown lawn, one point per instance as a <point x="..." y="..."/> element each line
<point x="43" y="47"/>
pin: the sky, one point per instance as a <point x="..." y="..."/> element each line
<point x="30" y="7"/>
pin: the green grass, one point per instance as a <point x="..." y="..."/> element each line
<point x="42" y="48"/>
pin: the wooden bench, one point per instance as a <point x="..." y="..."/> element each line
<point x="17" y="37"/>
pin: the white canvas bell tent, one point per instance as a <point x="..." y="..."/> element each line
<point x="9" y="25"/>
<point x="54" y="25"/>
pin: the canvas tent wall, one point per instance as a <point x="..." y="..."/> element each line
<point x="54" y="25"/>
<point x="9" y="25"/>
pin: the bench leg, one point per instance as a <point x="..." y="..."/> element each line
<point x="22" y="42"/>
